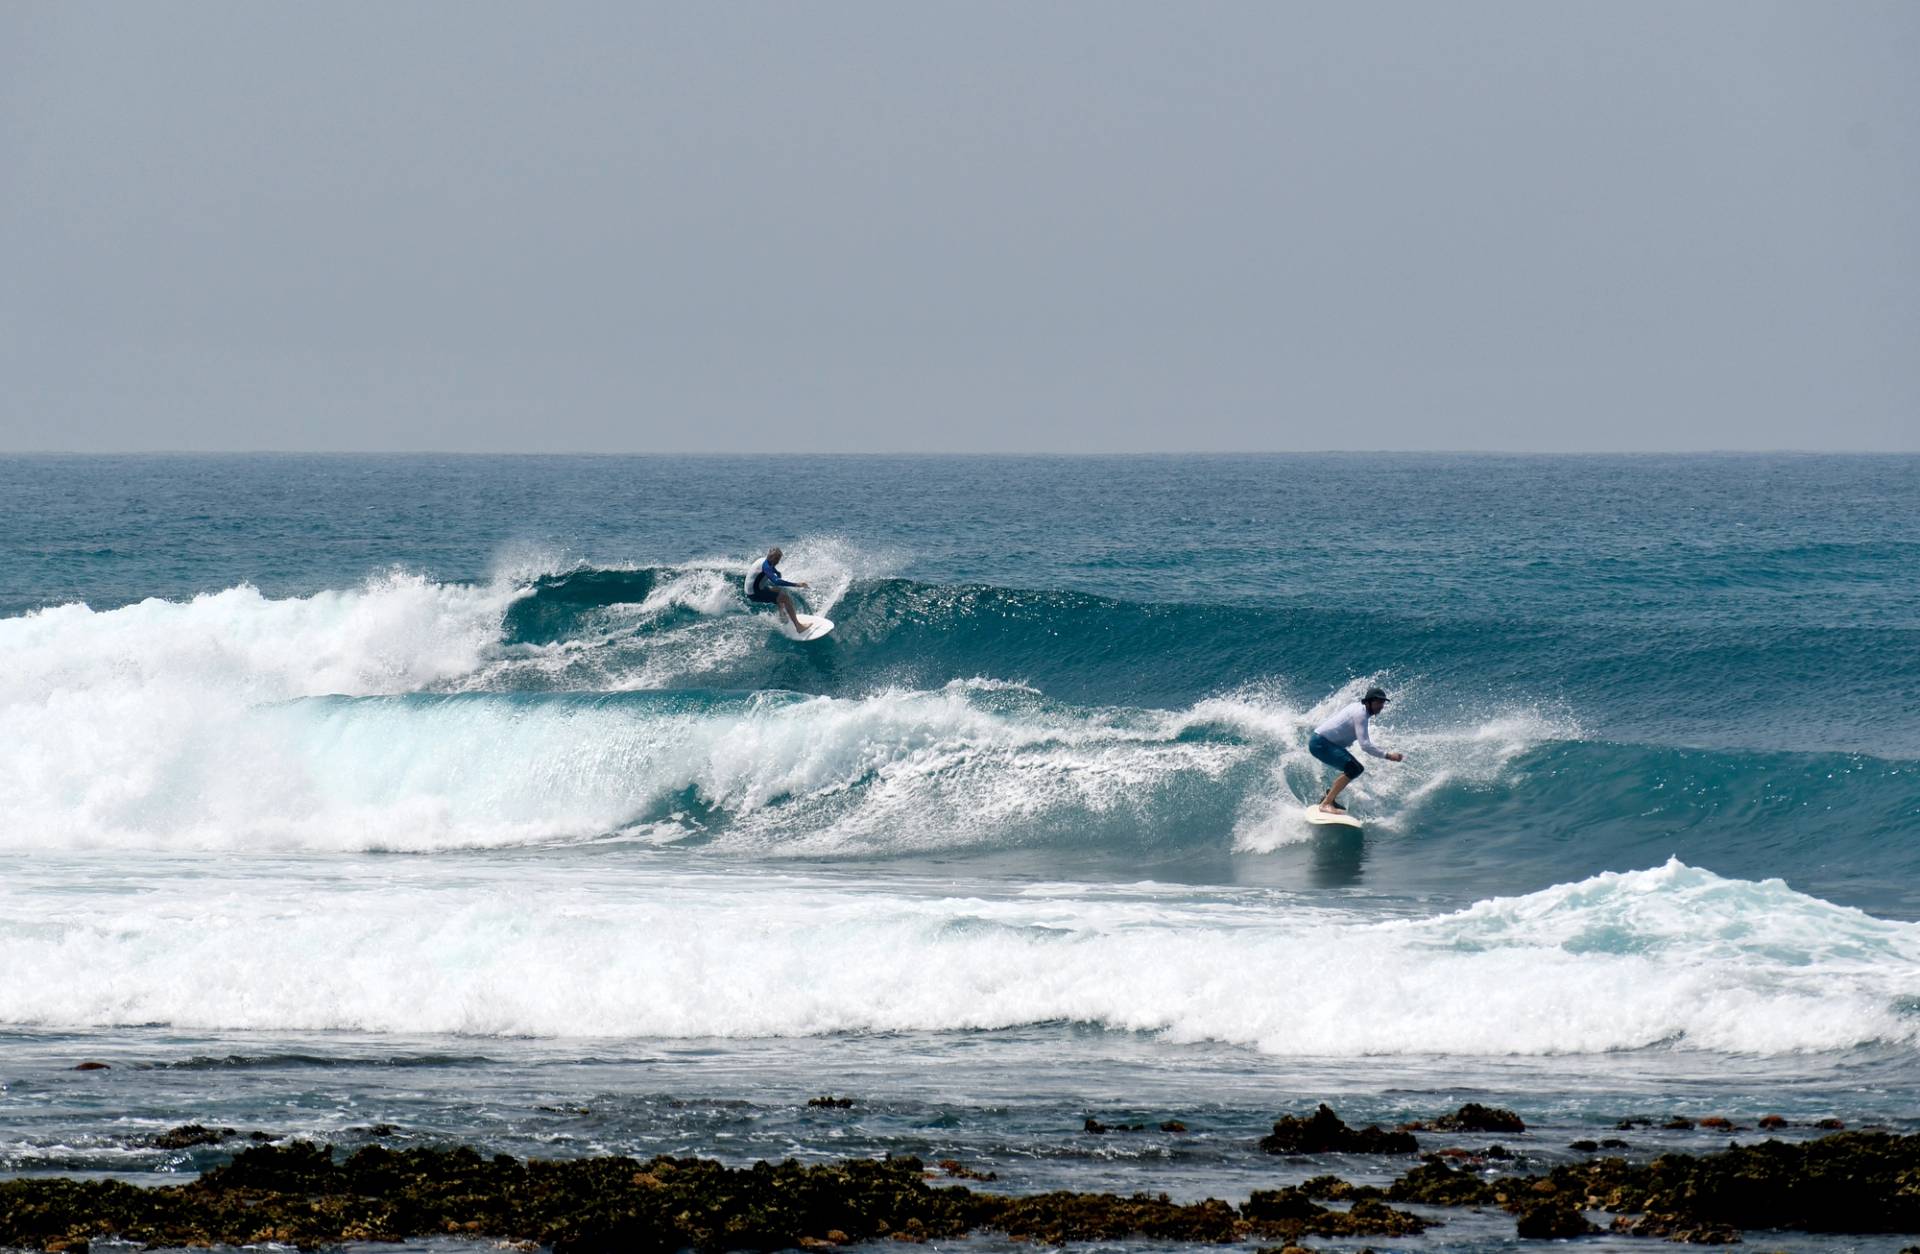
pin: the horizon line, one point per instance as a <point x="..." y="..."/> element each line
<point x="735" y="454"/>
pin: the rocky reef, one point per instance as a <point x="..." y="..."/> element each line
<point x="301" y="1194"/>
<point x="310" y="1195"/>
<point x="1846" y="1182"/>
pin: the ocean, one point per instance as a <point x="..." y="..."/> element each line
<point x="465" y="800"/>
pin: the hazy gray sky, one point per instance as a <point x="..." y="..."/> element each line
<point x="969" y="227"/>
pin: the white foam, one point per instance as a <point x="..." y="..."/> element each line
<point x="396" y="633"/>
<point x="116" y="719"/>
<point x="647" y="947"/>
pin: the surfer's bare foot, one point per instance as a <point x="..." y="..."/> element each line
<point x="1328" y="807"/>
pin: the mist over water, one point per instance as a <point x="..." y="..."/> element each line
<point x="472" y="770"/>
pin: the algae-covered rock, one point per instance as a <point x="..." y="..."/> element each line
<point x="188" y="1135"/>
<point x="1433" y="1183"/>
<point x="1060" y="1217"/>
<point x="1473" y="1117"/>
<point x="1327" y="1188"/>
<point x="1848" y="1182"/>
<point x="1291" y="1213"/>
<point x="1324" y="1133"/>
<point x="1553" y="1221"/>
<point x="1678" y="1228"/>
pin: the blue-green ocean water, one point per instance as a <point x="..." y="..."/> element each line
<point x="465" y="794"/>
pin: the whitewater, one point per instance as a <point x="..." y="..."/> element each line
<point x="452" y="793"/>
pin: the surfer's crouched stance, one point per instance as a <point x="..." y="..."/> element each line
<point x="1330" y="740"/>
<point x="766" y="587"/>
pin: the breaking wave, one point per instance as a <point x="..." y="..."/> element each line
<point x="1671" y="958"/>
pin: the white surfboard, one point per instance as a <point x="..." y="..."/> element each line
<point x="815" y="625"/>
<point x="1321" y="818"/>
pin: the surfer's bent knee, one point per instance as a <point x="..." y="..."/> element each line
<point x="1333" y="755"/>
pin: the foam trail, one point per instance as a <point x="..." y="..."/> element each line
<point x="1672" y="957"/>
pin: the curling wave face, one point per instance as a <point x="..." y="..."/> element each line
<point x="651" y="705"/>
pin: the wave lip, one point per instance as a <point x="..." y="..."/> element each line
<point x="397" y="633"/>
<point x="974" y="764"/>
<point x="1670" y="958"/>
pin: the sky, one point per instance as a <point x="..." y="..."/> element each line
<point x="959" y="227"/>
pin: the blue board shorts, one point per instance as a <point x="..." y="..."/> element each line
<point x="1333" y="755"/>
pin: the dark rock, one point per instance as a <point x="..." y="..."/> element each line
<point x="1613" y="1142"/>
<point x="1095" y="1126"/>
<point x="1327" y="1188"/>
<point x="954" y="1167"/>
<point x="1374" y="1218"/>
<point x="830" y="1102"/>
<point x="1473" y="1117"/>
<point x="1771" y="1123"/>
<point x="1847" y="1182"/>
<point x="191" y="1134"/>
<point x="1292" y="1214"/>
<point x="1679" y="1123"/>
<point x="1497" y="1152"/>
<point x="1433" y="1183"/>
<point x="1677" y="1228"/>
<point x="1553" y="1221"/>
<point x="1057" y="1218"/>
<point x="1718" y="1124"/>
<point x="94" y="1066"/>
<point x="1173" y="1125"/>
<point x="1585" y="1147"/>
<point x="1324" y="1133"/>
<point x="1829" y="1125"/>
<point x="1277" y="1206"/>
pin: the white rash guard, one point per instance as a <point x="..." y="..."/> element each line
<point x="1349" y="725"/>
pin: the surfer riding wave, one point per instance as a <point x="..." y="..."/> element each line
<point x="1331" y="739"/>
<point x="766" y="587"/>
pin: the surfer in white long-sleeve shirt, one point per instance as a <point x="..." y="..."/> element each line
<point x="1331" y="739"/>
